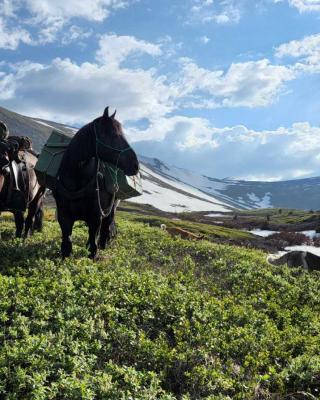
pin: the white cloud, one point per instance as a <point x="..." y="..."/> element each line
<point x="67" y="91"/>
<point x="204" y="39"/>
<point x="7" y="86"/>
<point x="72" y="92"/>
<point x="306" y="50"/>
<point x="94" y="10"/>
<point x="48" y="18"/>
<point x="248" y="84"/>
<point x="114" y="49"/>
<point x="11" y="37"/>
<point x="221" y="11"/>
<point x="75" y="93"/>
<point x="75" y="33"/>
<point x="302" y="5"/>
<point x="305" y="5"/>
<point x="48" y="33"/>
<point x="300" y="48"/>
<point x="8" y="8"/>
<point x="284" y="153"/>
<point x="189" y="133"/>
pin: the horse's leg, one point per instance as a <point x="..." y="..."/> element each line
<point x="66" y="225"/>
<point x="108" y="227"/>
<point x="35" y="222"/>
<point x="105" y="230"/>
<point x="32" y="209"/>
<point x="104" y="237"/>
<point x="38" y="220"/>
<point x="94" y="227"/>
<point x="19" y="221"/>
<point x="38" y="217"/>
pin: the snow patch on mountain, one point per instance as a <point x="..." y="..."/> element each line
<point x="264" y="202"/>
<point x="173" y="196"/>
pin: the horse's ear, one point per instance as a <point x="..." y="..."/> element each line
<point x="106" y="112"/>
<point x="114" y="114"/>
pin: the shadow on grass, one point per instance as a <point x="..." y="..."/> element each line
<point x="18" y="254"/>
<point x="21" y="257"/>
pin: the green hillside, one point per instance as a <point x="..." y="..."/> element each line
<point x="36" y="129"/>
<point x="155" y="318"/>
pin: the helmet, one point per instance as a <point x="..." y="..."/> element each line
<point x="4" y="131"/>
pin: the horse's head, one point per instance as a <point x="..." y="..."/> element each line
<point x="112" y="145"/>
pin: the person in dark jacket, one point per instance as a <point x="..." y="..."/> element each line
<point x="4" y="131"/>
<point x="16" y="145"/>
<point x="7" y="146"/>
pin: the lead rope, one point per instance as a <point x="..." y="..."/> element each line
<point x="105" y="214"/>
<point x="102" y="212"/>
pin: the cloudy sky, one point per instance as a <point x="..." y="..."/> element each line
<point x="227" y="88"/>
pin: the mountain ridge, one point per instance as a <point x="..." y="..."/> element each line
<point x="176" y="189"/>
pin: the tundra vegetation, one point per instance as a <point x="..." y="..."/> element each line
<point x="155" y="318"/>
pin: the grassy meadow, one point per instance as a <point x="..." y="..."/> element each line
<point x="155" y="318"/>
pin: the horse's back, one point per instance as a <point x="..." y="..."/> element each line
<point x="30" y="159"/>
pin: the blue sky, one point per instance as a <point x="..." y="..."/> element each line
<point x="221" y="87"/>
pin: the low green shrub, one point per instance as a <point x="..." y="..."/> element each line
<point x="155" y="318"/>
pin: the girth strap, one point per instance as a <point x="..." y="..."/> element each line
<point x="14" y="170"/>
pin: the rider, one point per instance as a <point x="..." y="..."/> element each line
<point x="4" y="150"/>
<point x="16" y="145"/>
<point x="4" y="131"/>
<point x="11" y="146"/>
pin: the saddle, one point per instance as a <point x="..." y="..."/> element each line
<point x="14" y="166"/>
<point x="17" y="186"/>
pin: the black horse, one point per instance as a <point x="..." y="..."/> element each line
<point x="20" y="190"/>
<point x="79" y="194"/>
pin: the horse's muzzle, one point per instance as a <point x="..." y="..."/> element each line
<point x="133" y="169"/>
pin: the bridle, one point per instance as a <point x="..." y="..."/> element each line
<point x="100" y="142"/>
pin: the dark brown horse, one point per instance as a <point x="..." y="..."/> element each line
<point x="20" y="190"/>
<point x="79" y="193"/>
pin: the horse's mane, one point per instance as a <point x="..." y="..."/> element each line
<point x="80" y="148"/>
<point x="83" y="143"/>
<point x="118" y="127"/>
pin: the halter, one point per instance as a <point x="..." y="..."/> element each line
<point x="100" y="142"/>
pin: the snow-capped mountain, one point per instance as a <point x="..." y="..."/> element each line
<point x="169" y="194"/>
<point x="174" y="189"/>
<point x="300" y="193"/>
